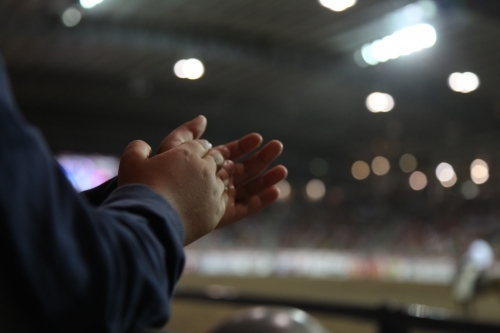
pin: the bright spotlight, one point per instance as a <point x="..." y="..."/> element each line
<point x="463" y="82"/>
<point x="380" y="165"/>
<point x="71" y="17"/>
<point x="367" y="55"/>
<point x="379" y="102"/>
<point x="337" y="5"/>
<point x="315" y="189"/>
<point x="87" y="4"/>
<point x="418" y="180"/>
<point x="479" y="171"/>
<point x="285" y="189"/>
<point x="401" y="43"/>
<point x="445" y="172"/>
<point x="360" y="170"/>
<point x="191" y="69"/>
<point x="408" y="163"/>
<point x="179" y="69"/>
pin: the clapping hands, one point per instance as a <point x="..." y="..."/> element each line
<point x="209" y="187"/>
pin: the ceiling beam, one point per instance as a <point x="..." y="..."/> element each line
<point x="208" y="45"/>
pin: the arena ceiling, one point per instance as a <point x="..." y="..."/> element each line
<point x="283" y="68"/>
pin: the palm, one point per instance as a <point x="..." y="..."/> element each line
<point x="250" y="189"/>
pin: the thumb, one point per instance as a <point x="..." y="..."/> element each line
<point x="188" y="131"/>
<point x="136" y="150"/>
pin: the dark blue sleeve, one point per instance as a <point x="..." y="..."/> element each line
<point x="97" y="195"/>
<point x="78" y="268"/>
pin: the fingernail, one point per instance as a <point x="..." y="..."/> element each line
<point x="209" y="145"/>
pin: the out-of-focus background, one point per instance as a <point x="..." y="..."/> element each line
<point x="389" y="112"/>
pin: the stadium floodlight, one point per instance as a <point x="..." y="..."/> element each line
<point x="71" y="17"/>
<point x="479" y="171"/>
<point x="444" y="172"/>
<point x="401" y="43"/>
<point x="379" y="102"/>
<point x="418" y="180"/>
<point x="285" y="189"/>
<point x="191" y="69"/>
<point x="337" y="5"/>
<point x="87" y="4"/>
<point x="360" y="170"/>
<point x="380" y="165"/>
<point x="315" y="189"/>
<point x="451" y="182"/>
<point x="463" y="82"/>
<point x="408" y="163"/>
<point x="469" y="190"/>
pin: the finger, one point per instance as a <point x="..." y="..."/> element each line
<point x="217" y="156"/>
<point x="244" y="145"/>
<point x="224" y="200"/>
<point x="136" y="150"/>
<point x="223" y="175"/>
<point x="256" y="186"/>
<point x="262" y="200"/>
<point x="191" y="130"/>
<point x="226" y="172"/>
<point x="257" y="163"/>
<point x="224" y="151"/>
<point x="199" y="147"/>
<point x="254" y="205"/>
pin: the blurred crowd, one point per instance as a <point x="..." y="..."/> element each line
<point x="405" y="223"/>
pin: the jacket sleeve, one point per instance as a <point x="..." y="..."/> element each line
<point x="78" y="267"/>
<point x="97" y="195"/>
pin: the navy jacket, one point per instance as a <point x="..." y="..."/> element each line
<point x="68" y="264"/>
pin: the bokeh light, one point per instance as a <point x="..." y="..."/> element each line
<point x="451" y="182"/>
<point x="318" y="167"/>
<point x="360" y="170"/>
<point x="418" y="180"/>
<point x="179" y="69"/>
<point x="479" y="171"/>
<point x="469" y="190"/>
<point x="379" y="102"/>
<point x="191" y="69"/>
<point x="285" y="189"/>
<point x="463" y="82"/>
<point x="401" y="43"/>
<point x="315" y="189"/>
<point x="408" y="163"/>
<point x="444" y="172"/>
<point x="380" y="165"/>
<point x="337" y="5"/>
<point x="71" y="17"/>
<point x="87" y="171"/>
<point x="87" y="4"/>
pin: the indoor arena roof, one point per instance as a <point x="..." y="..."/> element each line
<point x="291" y="70"/>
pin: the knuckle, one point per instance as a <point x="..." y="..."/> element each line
<point x="183" y="151"/>
<point x="205" y="171"/>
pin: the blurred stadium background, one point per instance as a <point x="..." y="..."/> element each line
<point x="389" y="112"/>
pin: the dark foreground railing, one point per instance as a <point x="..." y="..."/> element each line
<point x="390" y="319"/>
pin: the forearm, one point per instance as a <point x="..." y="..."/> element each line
<point x="97" y="195"/>
<point x="80" y="268"/>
